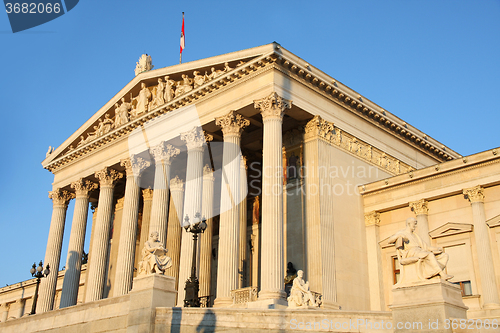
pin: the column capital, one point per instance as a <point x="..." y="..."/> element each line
<point x="61" y="197"/>
<point x="208" y="172"/>
<point x="164" y="152"/>
<point x="134" y="165"/>
<point x="318" y="127"/>
<point x="419" y="207"/>
<point x="232" y="123"/>
<point x="83" y="187"/>
<point x="372" y="218"/>
<point x="195" y="138"/>
<point x="176" y="184"/>
<point x="107" y="176"/>
<point x="147" y="194"/>
<point x="272" y="106"/>
<point x="474" y="194"/>
<point x="119" y="203"/>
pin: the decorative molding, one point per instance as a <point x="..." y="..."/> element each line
<point x="272" y="106"/>
<point x="83" y="187"/>
<point x="176" y="184"/>
<point x="208" y="172"/>
<point x="164" y="152"/>
<point x="61" y="197"/>
<point x="134" y="165"/>
<point x="474" y="194"/>
<point x="419" y="207"/>
<point x="372" y="218"/>
<point x="147" y="194"/>
<point x="451" y="228"/>
<point x="318" y="128"/>
<point x="494" y="222"/>
<point x="107" y="176"/>
<point x="232" y="123"/>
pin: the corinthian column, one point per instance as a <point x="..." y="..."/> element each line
<point x="272" y="109"/>
<point x="421" y="212"/>
<point x="195" y="142"/>
<point x="243" y="258"/>
<point x="483" y="247"/>
<point x="97" y="262"/>
<point x="207" y="211"/>
<point x="163" y="154"/>
<point x="232" y="125"/>
<point x="134" y="166"/>
<point x="60" y="199"/>
<point x="174" y="226"/>
<point x="71" y="282"/>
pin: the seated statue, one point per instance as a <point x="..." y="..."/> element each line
<point x="300" y="295"/>
<point x="154" y="256"/>
<point x="428" y="261"/>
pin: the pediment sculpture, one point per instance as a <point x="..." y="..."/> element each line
<point x="419" y="262"/>
<point x="300" y="294"/>
<point x="154" y="256"/>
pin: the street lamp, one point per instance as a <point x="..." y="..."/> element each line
<point x="192" y="287"/>
<point x="37" y="272"/>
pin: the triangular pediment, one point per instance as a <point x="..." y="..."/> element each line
<point x="186" y="82"/>
<point x="450" y="228"/>
<point x="494" y="222"/>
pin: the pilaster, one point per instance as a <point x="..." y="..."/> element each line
<point x="207" y="211"/>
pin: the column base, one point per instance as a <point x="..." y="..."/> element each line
<point x="491" y="306"/>
<point x="427" y="304"/>
<point x="272" y="294"/>
<point x="330" y="305"/>
<point x="268" y="304"/>
<point x="223" y="302"/>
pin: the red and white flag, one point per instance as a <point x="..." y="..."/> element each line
<point x="183" y="41"/>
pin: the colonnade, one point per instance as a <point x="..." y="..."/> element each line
<point x="172" y="202"/>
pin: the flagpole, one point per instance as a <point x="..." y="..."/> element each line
<point x="182" y="39"/>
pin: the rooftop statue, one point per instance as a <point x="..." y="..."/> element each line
<point x="144" y="64"/>
<point x="300" y="295"/>
<point x="154" y="256"/>
<point x="419" y="261"/>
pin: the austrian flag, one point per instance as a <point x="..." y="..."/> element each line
<point x="183" y="43"/>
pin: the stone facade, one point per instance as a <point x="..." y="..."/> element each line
<point x="286" y="165"/>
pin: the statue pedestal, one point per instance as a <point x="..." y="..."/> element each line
<point x="427" y="304"/>
<point x="149" y="292"/>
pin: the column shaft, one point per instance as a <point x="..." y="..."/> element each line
<point x="174" y="233"/>
<point x="98" y="260"/>
<point x="243" y="254"/>
<point x="60" y="200"/>
<point x="207" y="211"/>
<point x="126" y="249"/>
<point x="71" y="282"/>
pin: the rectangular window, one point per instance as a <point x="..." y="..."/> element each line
<point x="465" y="287"/>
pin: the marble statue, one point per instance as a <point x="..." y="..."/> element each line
<point x="154" y="256"/>
<point x="144" y="64"/>
<point x="227" y="68"/>
<point x="214" y="74"/>
<point x="198" y="79"/>
<point x="158" y="95"/>
<point x="300" y="295"/>
<point x="184" y="86"/>
<point x="256" y="211"/>
<point x="142" y="100"/>
<point x="121" y="113"/>
<point x="169" y="90"/>
<point x="51" y="149"/>
<point x="426" y="261"/>
<point x="105" y="126"/>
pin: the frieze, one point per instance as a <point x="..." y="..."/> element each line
<point x="329" y="133"/>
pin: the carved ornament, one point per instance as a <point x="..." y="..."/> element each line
<point x="232" y="123"/>
<point x="474" y="194"/>
<point x="134" y="165"/>
<point x="147" y="194"/>
<point x="195" y="138"/>
<point x="372" y="218"/>
<point x="176" y="184"/>
<point x="83" y="187"/>
<point x="107" y="176"/>
<point x="419" y="207"/>
<point x="272" y="106"/>
<point x="164" y="152"/>
<point x="61" y="197"/>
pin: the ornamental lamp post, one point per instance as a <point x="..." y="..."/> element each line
<point x="192" y="287"/>
<point x="37" y="272"/>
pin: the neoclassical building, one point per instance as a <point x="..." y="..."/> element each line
<point x="286" y="165"/>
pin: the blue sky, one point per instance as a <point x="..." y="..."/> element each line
<point x="435" y="64"/>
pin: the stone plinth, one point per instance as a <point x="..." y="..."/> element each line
<point x="149" y="292"/>
<point x="427" y="303"/>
